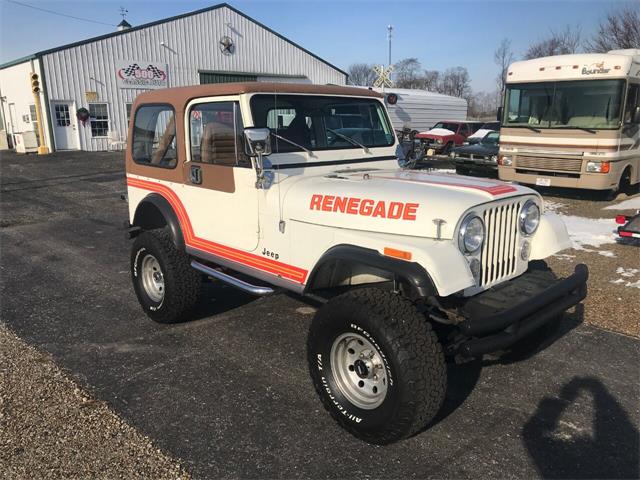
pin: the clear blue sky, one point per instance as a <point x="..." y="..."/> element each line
<point x="439" y="34"/>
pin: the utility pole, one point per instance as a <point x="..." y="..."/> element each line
<point x="389" y="35"/>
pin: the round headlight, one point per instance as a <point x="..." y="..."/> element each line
<point x="471" y="233"/>
<point x="529" y="218"/>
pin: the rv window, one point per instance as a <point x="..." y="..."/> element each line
<point x="633" y="103"/>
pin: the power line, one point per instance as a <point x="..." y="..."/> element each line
<point x="59" y="14"/>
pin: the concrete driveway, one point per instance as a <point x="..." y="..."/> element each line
<point x="228" y="393"/>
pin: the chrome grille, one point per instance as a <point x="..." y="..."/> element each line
<point x="546" y="163"/>
<point x="499" y="252"/>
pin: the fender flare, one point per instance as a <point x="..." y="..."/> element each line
<point x="154" y="211"/>
<point x="412" y="273"/>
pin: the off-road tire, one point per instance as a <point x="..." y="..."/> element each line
<point x="413" y="361"/>
<point x="181" y="282"/>
<point x="462" y="171"/>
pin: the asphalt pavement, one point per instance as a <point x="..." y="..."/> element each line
<point x="229" y="395"/>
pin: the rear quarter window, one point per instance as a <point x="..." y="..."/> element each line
<point x="154" y="136"/>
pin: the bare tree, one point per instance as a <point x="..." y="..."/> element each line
<point x="456" y="82"/>
<point x="361" y="74"/>
<point x="558" y="43"/>
<point x="431" y="80"/>
<point x="503" y="57"/>
<point x="408" y="73"/>
<point x="621" y="29"/>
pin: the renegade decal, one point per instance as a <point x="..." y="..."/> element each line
<point x="364" y="206"/>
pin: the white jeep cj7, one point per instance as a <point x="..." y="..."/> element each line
<point x="299" y="187"/>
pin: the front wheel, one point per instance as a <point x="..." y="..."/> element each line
<point x="376" y="365"/>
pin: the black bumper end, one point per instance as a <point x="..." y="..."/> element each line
<point x="500" y="330"/>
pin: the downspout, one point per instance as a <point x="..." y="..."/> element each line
<point x="47" y="105"/>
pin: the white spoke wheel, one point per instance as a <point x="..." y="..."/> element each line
<point x="152" y="278"/>
<point x="359" y="371"/>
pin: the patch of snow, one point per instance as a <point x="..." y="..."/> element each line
<point x="553" y="207"/>
<point x="444" y="170"/>
<point x="589" y="231"/>
<point x="627" y="272"/>
<point x="628" y="204"/>
<point x="565" y="256"/>
<point x="607" y="253"/>
<point x="481" y="133"/>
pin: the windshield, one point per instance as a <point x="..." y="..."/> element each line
<point x="573" y="104"/>
<point x="491" y="138"/>
<point x="321" y="122"/>
<point x="448" y="126"/>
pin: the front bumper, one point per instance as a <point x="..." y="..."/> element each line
<point x="476" y="164"/>
<point x="500" y="316"/>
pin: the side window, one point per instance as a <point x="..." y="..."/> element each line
<point x="216" y="134"/>
<point x="633" y="103"/>
<point x="99" y="116"/>
<point x="463" y="130"/>
<point x="154" y="136"/>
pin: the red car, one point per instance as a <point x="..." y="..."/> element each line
<point x="444" y="136"/>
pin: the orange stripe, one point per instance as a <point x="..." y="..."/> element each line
<point x="290" y="272"/>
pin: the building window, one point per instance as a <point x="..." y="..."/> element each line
<point x="34" y="121"/>
<point x="154" y="136"/>
<point x="99" y="119"/>
<point x="216" y="134"/>
<point x="62" y="115"/>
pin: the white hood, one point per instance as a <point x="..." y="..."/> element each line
<point x="403" y="202"/>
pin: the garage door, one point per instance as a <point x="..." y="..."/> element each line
<point x="215" y="77"/>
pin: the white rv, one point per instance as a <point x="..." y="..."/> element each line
<point x="573" y="121"/>
<point x="420" y="110"/>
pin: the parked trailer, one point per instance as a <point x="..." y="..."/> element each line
<point x="419" y="109"/>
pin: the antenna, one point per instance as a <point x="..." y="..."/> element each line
<point x="123" y="12"/>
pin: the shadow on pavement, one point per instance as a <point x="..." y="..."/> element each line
<point x="561" y="449"/>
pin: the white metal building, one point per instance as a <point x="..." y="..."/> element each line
<point x="104" y="74"/>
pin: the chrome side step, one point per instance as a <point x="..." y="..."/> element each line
<point x="233" y="281"/>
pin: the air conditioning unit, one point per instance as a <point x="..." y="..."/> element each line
<point x="26" y="142"/>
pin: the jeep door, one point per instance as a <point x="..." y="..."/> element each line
<point x="219" y="187"/>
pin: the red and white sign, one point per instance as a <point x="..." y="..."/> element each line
<point x="141" y="74"/>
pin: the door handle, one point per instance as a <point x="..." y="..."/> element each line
<point x="196" y="174"/>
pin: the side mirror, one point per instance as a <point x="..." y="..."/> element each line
<point x="258" y="141"/>
<point x="258" y="145"/>
<point x="499" y="114"/>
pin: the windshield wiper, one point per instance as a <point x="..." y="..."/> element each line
<point x="537" y="130"/>
<point x="586" y="129"/>
<point x="291" y="142"/>
<point x="349" y="139"/>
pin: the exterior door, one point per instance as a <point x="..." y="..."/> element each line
<point x="219" y="195"/>
<point x="65" y="128"/>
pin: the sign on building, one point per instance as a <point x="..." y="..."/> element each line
<point x="141" y="74"/>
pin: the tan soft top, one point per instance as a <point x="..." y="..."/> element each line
<point x="179" y="96"/>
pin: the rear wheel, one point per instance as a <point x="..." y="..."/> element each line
<point x="376" y="365"/>
<point x="462" y="171"/>
<point x="165" y="284"/>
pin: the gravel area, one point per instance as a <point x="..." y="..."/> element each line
<point x="50" y="428"/>
<point x="614" y="265"/>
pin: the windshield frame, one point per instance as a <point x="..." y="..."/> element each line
<point x="552" y="84"/>
<point x="382" y="112"/>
